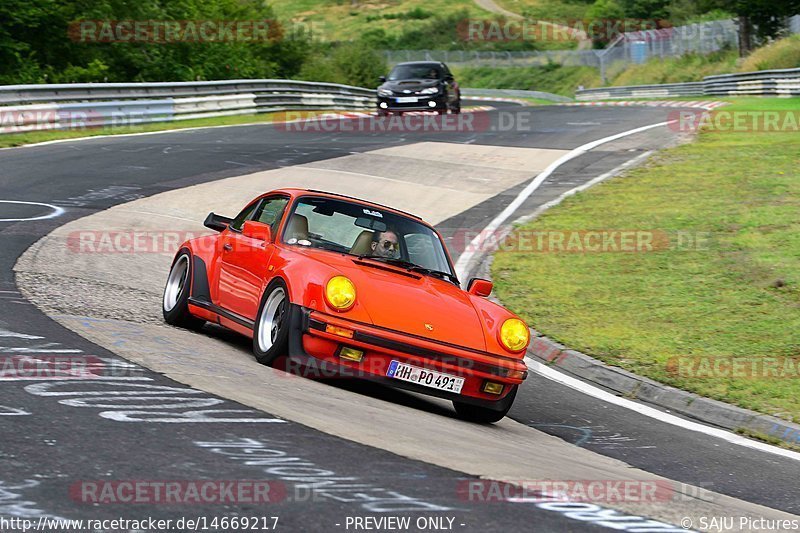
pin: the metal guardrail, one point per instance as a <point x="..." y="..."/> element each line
<point x="41" y="107"/>
<point x="782" y="82"/>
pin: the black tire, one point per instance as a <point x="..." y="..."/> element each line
<point x="275" y="315"/>
<point x="383" y="113"/>
<point x="484" y="415"/>
<point x="456" y="109"/>
<point x="175" y="302"/>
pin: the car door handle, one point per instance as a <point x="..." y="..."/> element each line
<point x="227" y="247"/>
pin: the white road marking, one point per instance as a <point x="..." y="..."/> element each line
<point x="590" y="390"/>
<point x="12" y="411"/>
<point x="57" y="211"/>
<point x="463" y="262"/>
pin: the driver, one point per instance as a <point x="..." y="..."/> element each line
<point x="433" y="74"/>
<point x="385" y="244"/>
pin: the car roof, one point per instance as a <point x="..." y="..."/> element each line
<point x="431" y="63"/>
<point x="296" y="191"/>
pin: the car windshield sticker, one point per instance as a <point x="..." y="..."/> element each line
<point x="373" y="213"/>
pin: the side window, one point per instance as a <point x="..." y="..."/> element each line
<point x="245" y="215"/>
<point x="270" y="212"/>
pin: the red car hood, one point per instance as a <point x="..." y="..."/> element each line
<point x="420" y="305"/>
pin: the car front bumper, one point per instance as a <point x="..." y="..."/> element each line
<point x="422" y="103"/>
<point x="314" y="352"/>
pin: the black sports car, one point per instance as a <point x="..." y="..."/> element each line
<point x="419" y="86"/>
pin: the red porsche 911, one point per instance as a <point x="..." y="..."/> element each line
<point x="330" y="280"/>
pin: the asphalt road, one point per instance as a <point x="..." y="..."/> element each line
<point x="63" y="439"/>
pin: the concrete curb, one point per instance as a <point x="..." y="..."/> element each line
<point x="632" y="386"/>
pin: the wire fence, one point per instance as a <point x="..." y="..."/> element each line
<point x="628" y="48"/>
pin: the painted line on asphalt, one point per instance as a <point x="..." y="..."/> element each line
<point x="590" y="390"/>
<point x="57" y="211"/>
<point x="462" y="265"/>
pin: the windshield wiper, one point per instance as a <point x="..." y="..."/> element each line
<point x="411" y="267"/>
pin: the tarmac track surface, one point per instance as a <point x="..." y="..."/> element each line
<point x="60" y="432"/>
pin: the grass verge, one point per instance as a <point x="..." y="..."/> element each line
<point x="729" y="292"/>
<point x="19" y="139"/>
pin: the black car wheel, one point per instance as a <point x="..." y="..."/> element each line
<point x="484" y="415"/>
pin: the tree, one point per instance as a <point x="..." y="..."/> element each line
<point x="759" y="18"/>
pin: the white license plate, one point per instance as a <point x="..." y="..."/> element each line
<point x="407" y="100"/>
<point x="425" y="377"/>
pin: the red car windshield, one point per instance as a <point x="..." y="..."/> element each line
<point x="360" y="230"/>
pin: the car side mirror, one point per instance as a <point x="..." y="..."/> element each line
<point x="217" y="222"/>
<point x="480" y="287"/>
<point x="257" y="230"/>
<point x="382" y="79"/>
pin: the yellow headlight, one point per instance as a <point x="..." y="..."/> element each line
<point x="340" y="293"/>
<point x="514" y="334"/>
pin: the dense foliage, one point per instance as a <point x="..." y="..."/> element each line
<point x="37" y="45"/>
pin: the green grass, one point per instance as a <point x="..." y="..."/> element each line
<point x="784" y="53"/>
<point x="547" y="9"/>
<point x="551" y="79"/>
<point x="738" y="295"/>
<point x="691" y="67"/>
<point x="19" y="139"/>
<point x="347" y="20"/>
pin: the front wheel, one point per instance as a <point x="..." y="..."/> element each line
<point x="456" y="108"/>
<point x="271" y="334"/>
<point x="175" y="303"/>
<point x="483" y="415"/>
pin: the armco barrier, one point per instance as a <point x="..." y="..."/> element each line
<point x="783" y="82"/>
<point x="36" y="107"/>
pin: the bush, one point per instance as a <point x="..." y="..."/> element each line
<point x="784" y="53"/>
<point x="350" y="64"/>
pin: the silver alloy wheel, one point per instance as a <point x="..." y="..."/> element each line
<point x="272" y="318"/>
<point x="176" y="282"/>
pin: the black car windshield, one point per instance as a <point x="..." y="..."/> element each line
<point x="416" y="72"/>
<point x="365" y="231"/>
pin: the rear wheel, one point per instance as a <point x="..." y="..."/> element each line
<point x="175" y="303"/>
<point x="271" y="334"/>
<point x="484" y="415"/>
